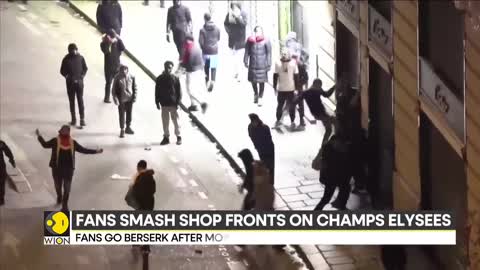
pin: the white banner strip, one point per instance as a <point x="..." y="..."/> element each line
<point x="441" y="237"/>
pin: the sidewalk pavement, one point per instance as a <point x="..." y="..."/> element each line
<point x="226" y="121"/>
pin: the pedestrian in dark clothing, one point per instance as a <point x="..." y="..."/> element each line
<point x="235" y="25"/>
<point x="4" y="149"/>
<point x="208" y="39"/>
<point x="124" y="91"/>
<point x="248" y="182"/>
<point x="335" y="172"/>
<point x="109" y="16"/>
<point x="62" y="161"/>
<point x="394" y="257"/>
<point x="348" y="118"/>
<point x="74" y="70"/>
<point x="112" y="47"/>
<point x="144" y="187"/>
<point x="162" y="3"/>
<point x="314" y="102"/>
<point x="179" y="21"/>
<point x="258" y="60"/>
<point x="262" y="140"/>
<point x="301" y="56"/>
<point x="168" y="95"/>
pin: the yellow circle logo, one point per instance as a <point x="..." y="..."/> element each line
<point x="57" y="223"/>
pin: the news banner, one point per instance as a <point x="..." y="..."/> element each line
<point x="248" y="228"/>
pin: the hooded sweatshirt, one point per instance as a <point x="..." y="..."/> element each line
<point x="144" y="188"/>
<point x="286" y="70"/>
<point x="209" y="37"/>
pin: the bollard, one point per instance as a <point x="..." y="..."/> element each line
<point x="145" y="252"/>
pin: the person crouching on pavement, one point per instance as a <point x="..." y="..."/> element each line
<point x="112" y="48"/>
<point x="192" y="62"/>
<point x="144" y="187"/>
<point x="124" y="91"/>
<point x="247" y="158"/>
<point x="4" y="149"/>
<point x="62" y="161"/>
<point x="286" y="78"/>
<point x="168" y="95"/>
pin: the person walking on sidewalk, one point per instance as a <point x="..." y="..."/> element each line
<point x="335" y="171"/>
<point x="301" y="56"/>
<point x="313" y="98"/>
<point x="124" y="93"/>
<point x="286" y="79"/>
<point x="258" y="60"/>
<point x="235" y="25"/>
<point x="262" y="140"/>
<point x="62" y="161"/>
<point x="208" y="39"/>
<point x="179" y="21"/>
<point x="248" y="182"/>
<point x="4" y="149"/>
<point x="162" y="3"/>
<point x="192" y="62"/>
<point x="168" y="95"/>
<point x="74" y="69"/>
<point x="112" y="47"/>
<point x="109" y="16"/>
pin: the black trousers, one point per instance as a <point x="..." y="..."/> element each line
<point x="209" y="71"/>
<point x="342" y="198"/>
<point x="255" y="87"/>
<point x="179" y="39"/>
<point x="125" y="110"/>
<point x="282" y="98"/>
<point x="3" y="181"/>
<point x="109" y="75"/>
<point x="248" y="202"/>
<point x="301" y="106"/>
<point x="62" y="177"/>
<point x="75" y="89"/>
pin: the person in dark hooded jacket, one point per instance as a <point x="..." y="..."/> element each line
<point x="144" y="187"/>
<point x="208" y="39"/>
<point x="109" y="15"/>
<point x="247" y="158"/>
<point x="314" y="102"/>
<point x="112" y="47"/>
<point x="235" y="25"/>
<point x="258" y="60"/>
<point x="262" y="140"/>
<point x="179" y="21"/>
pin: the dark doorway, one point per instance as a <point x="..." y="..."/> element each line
<point x="444" y="187"/>
<point x="381" y="135"/>
<point x="347" y="55"/>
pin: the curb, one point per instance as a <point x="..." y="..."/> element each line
<point x="195" y="120"/>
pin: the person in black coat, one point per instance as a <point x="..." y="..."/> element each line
<point x="109" y="15"/>
<point x="179" y="21"/>
<point x="112" y="47"/>
<point x="312" y="97"/>
<point x="258" y="60"/>
<point x="4" y="149"/>
<point x="235" y="25"/>
<point x="74" y="70"/>
<point x="62" y="161"/>
<point x="144" y="187"/>
<point x="262" y="140"/>
<point x="168" y="95"/>
<point x="248" y="182"/>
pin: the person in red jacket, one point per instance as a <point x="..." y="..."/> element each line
<point x="62" y="161"/>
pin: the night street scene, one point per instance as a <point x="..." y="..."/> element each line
<point x="341" y="105"/>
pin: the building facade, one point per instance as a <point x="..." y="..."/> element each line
<point x="416" y="63"/>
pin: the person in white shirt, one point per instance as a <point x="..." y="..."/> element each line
<point x="285" y="81"/>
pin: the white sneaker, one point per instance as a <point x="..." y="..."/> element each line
<point x="260" y="102"/>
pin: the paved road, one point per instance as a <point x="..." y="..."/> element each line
<point x="192" y="176"/>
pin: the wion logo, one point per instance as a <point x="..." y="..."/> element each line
<point x="56" y="228"/>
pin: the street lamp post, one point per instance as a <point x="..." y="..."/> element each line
<point x="145" y="253"/>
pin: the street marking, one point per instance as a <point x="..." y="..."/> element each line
<point x="181" y="183"/>
<point x="43" y="25"/>
<point x="29" y="26"/>
<point x="183" y="171"/>
<point x="119" y="177"/>
<point x="22" y="7"/>
<point x="32" y="16"/>
<point x="173" y="159"/>
<point x="211" y="206"/>
<point x="193" y="183"/>
<point x="203" y="195"/>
